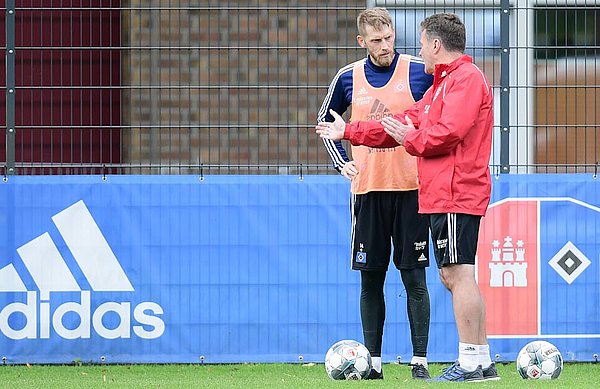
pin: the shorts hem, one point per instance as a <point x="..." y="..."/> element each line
<point x="369" y="269"/>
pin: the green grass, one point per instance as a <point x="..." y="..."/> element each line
<point x="263" y="376"/>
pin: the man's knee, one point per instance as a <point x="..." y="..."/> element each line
<point x="453" y="275"/>
<point x="414" y="281"/>
<point x="444" y="278"/>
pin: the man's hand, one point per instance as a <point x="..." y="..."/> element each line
<point x="333" y="131"/>
<point x="349" y="170"/>
<point x="396" y="129"/>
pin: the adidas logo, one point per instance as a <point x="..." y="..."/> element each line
<point x="378" y="111"/>
<point x="362" y="91"/>
<point x="50" y="273"/>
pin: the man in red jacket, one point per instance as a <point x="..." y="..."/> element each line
<point x="450" y="132"/>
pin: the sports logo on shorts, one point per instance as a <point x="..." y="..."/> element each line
<point x="361" y="257"/>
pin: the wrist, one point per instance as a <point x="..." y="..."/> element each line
<point x="346" y="131"/>
<point x="402" y="140"/>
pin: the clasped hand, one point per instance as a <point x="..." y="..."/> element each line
<point x="335" y="130"/>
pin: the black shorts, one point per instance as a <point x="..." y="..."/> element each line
<point x="382" y="218"/>
<point x="454" y="237"/>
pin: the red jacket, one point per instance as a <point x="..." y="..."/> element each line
<point x="452" y="140"/>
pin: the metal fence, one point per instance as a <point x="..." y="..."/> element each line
<point x="233" y="87"/>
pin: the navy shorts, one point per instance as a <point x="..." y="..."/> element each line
<point x="381" y="220"/>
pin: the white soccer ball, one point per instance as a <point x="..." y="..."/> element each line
<point x="348" y="360"/>
<point x="539" y="360"/>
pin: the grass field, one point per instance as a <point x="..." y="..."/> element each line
<point x="574" y="375"/>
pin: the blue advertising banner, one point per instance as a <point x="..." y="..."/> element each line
<point x="538" y="263"/>
<point x="166" y="269"/>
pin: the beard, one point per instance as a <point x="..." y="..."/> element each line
<point x="386" y="61"/>
<point x="383" y="61"/>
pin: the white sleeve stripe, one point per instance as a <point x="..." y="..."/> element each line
<point x="332" y="150"/>
<point x="334" y="153"/>
<point x="484" y="79"/>
<point x="327" y="100"/>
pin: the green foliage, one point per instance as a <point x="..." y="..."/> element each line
<point x="566" y="32"/>
<point x="260" y="376"/>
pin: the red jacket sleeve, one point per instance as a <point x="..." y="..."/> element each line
<point x="460" y="108"/>
<point x="413" y="112"/>
<point x="371" y="133"/>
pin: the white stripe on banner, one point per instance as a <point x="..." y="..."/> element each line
<point x="47" y="266"/>
<point x="90" y="249"/>
<point x="10" y="280"/>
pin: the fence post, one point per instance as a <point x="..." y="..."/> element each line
<point x="10" y="87"/>
<point x="504" y="86"/>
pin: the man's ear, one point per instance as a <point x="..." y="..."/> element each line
<point x="361" y="41"/>
<point x="437" y="45"/>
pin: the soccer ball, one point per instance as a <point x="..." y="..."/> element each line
<point x="539" y="360"/>
<point x="348" y="360"/>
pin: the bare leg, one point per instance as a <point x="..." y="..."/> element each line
<point x="482" y="325"/>
<point x="469" y="309"/>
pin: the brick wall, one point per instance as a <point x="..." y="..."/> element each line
<point x="567" y="133"/>
<point x="231" y="83"/>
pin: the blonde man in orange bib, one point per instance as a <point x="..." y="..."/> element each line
<point x="385" y="219"/>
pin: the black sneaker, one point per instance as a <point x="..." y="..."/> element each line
<point x="374" y="375"/>
<point x="490" y="373"/>
<point x="455" y="373"/>
<point x="419" y="372"/>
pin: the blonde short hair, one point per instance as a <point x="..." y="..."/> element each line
<point x="376" y="17"/>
